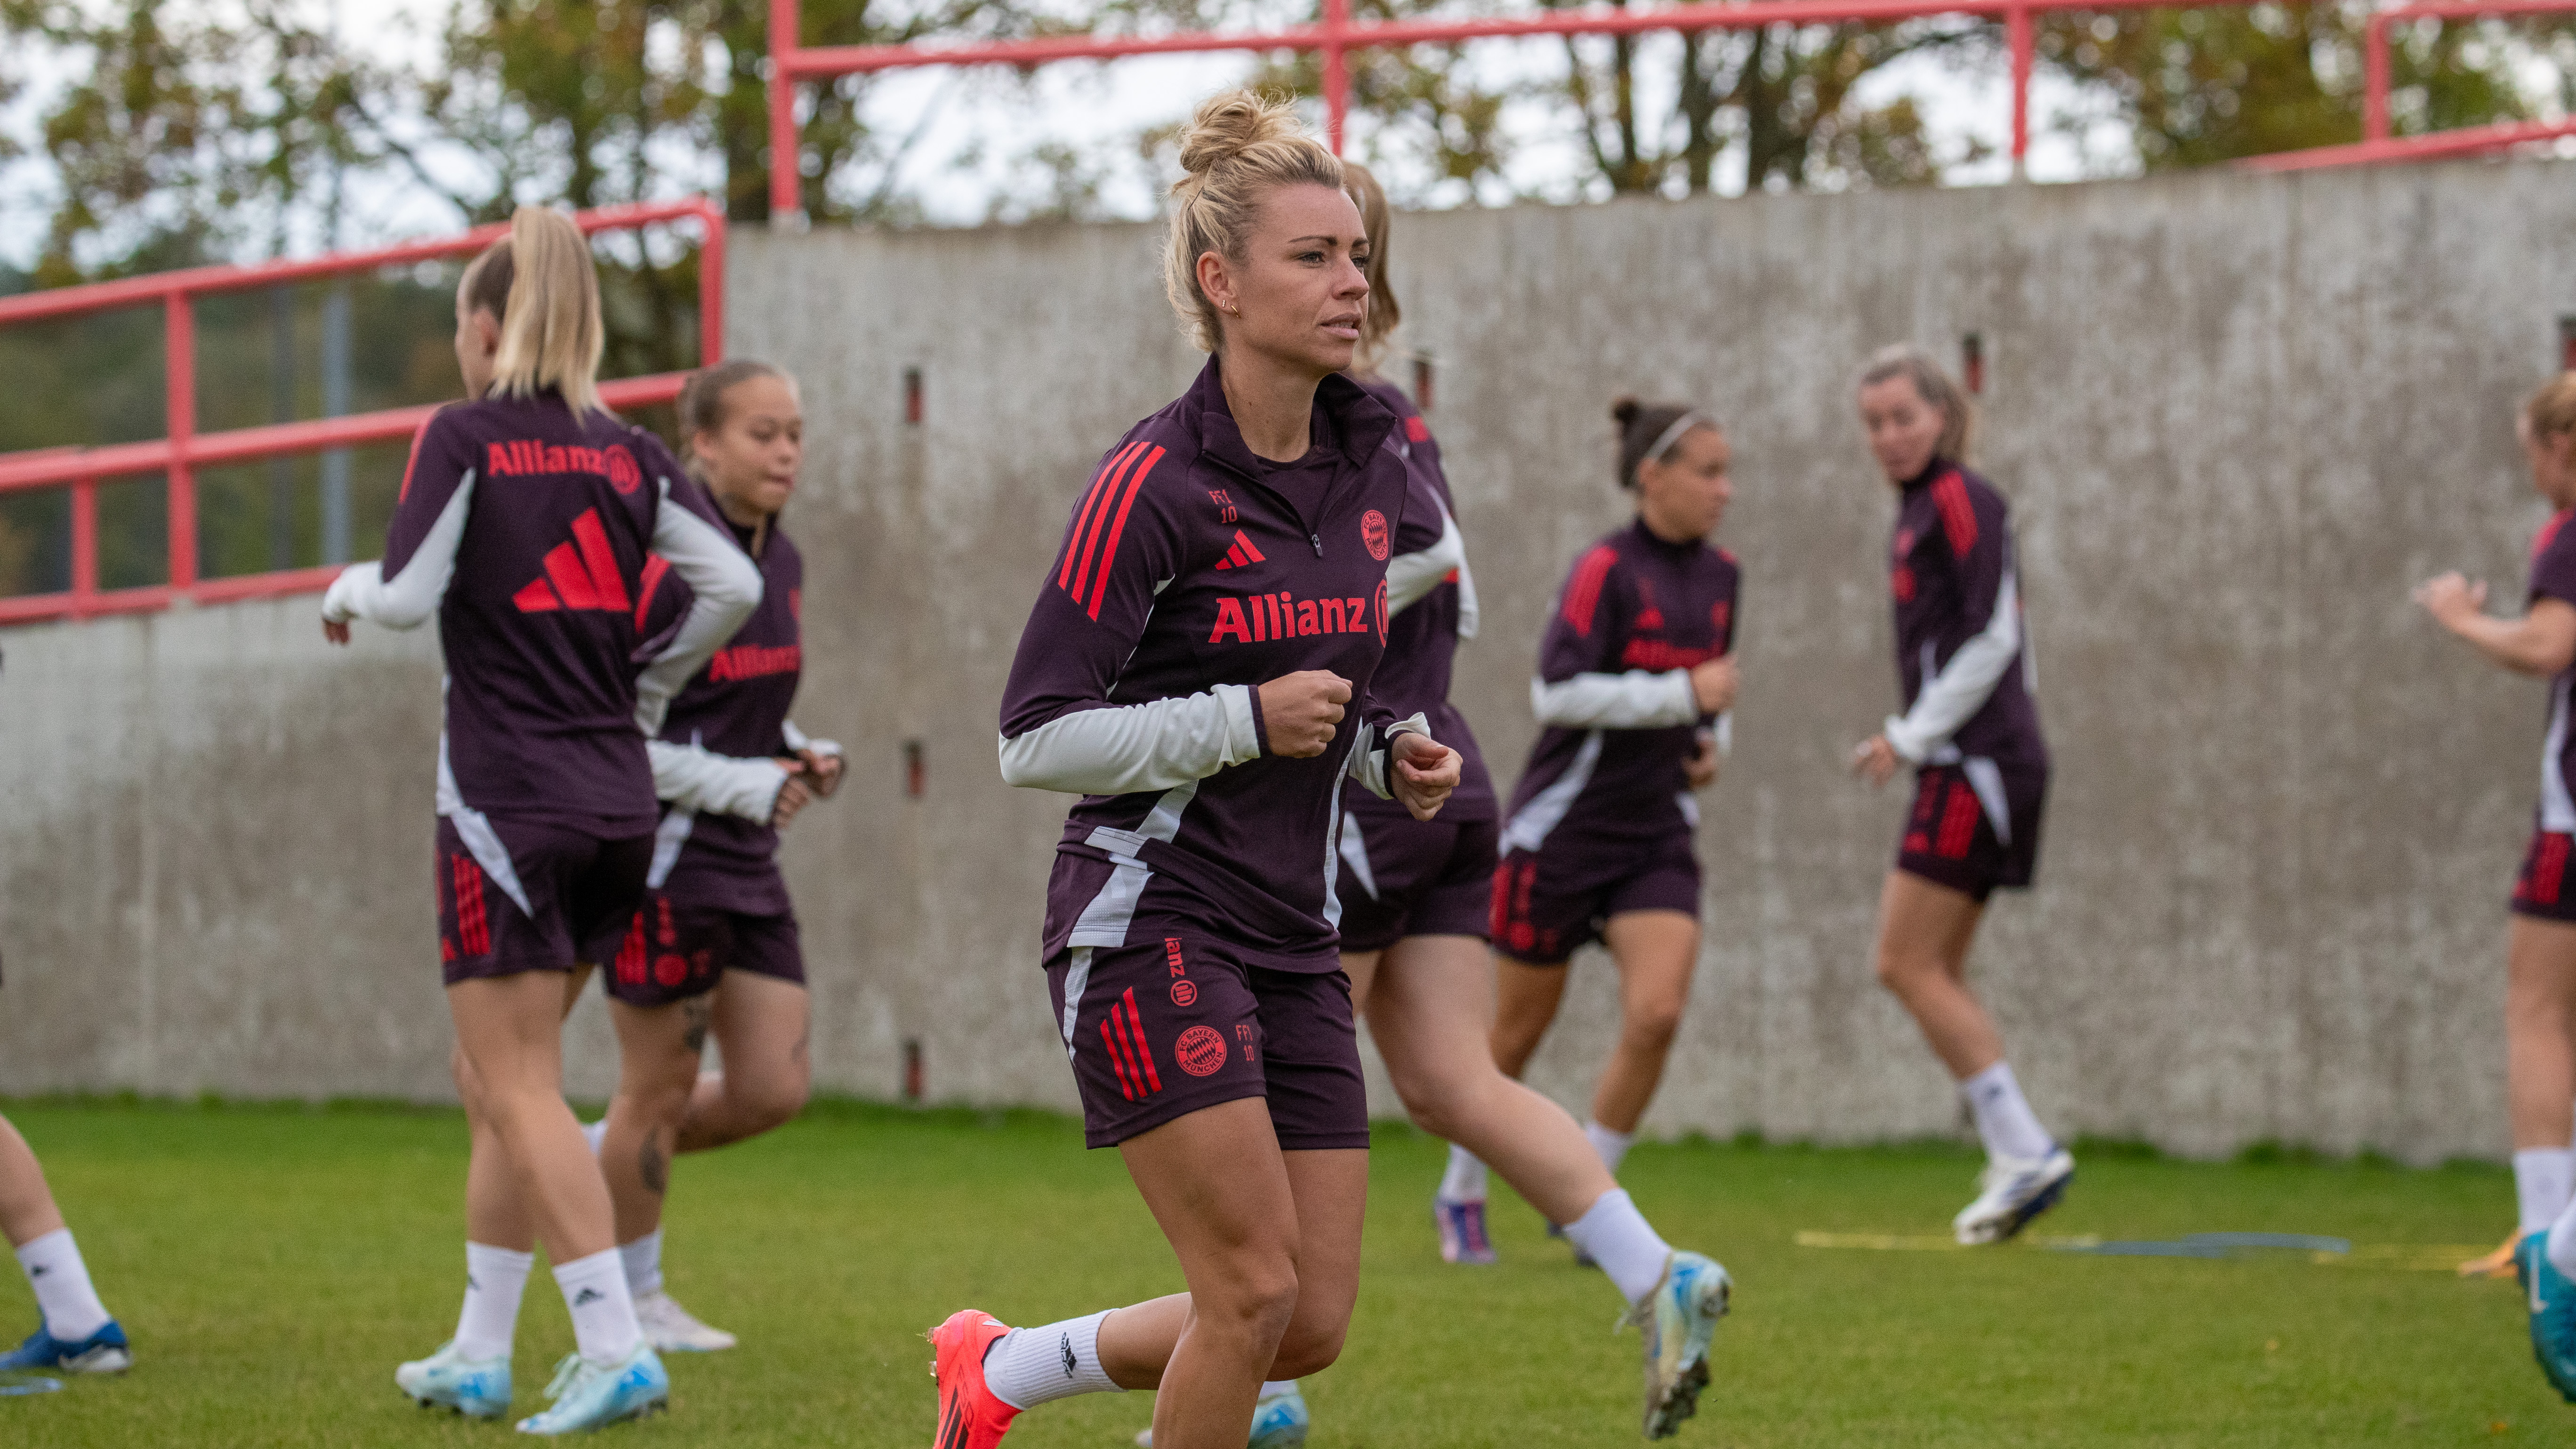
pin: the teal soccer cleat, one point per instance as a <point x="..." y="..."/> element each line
<point x="586" y="1396"/>
<point x="103" y="1352"/>
<point x="476" y="1388"/>
<point x="2553" y="1313"/>
<point x="1279" y="1420"/>
<point x="1679" y="1318"/>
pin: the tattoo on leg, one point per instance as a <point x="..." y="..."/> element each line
<point x="652" y="1165"/>
<point x="695" y="1012"/>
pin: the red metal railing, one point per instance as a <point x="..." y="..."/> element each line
<point x="182" y="450"/>
<point x="1337" y="35"/>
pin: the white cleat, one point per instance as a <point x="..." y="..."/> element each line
<point x="673" y="1329"/>
<point x="1679" y="1319"/>
<point x="2010" y="1192"/>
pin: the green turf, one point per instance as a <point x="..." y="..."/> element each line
<point x="273" y="1264"/>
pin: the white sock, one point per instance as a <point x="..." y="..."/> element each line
<point x="1027" y="1367"/>
<point x="1273" y="1388"/>
<point x="61" y="1280"/>
<point x="595" y="1133"/>
<point x="1615" y="1235"/>
<point x="495" y="1278"/>
<point x="2562" y="1241"/>
<point x="2004" y="1119"/>
<point x="643" y="1260"/>
<point x="1611" y="1147"/>
<point x="603" y="1312"/>
<point x="2542" y="1181"/>
<point x="1465" y="1179"/>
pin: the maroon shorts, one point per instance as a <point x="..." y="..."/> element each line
<point x="2542" y="888"/>
<point x="576" y="888"/>
<point x="1407" y="877"/>
<point x="670" y="952"/>
<point x="1162" y="1030"/>
<point x="1953" y="839"/>
<point x="1545" y="904"/>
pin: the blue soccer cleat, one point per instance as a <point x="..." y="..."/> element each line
<point x="587" y="1396"/>
<point x="1679" y="1318"/>
<point x="2011" y="1192"/>
<point x="476" y="1388"/>
<point x="1279" y="1420"/>
<point x="103" y="1352"/>
<point x="1462" y="1232"/>
<point x="2553" y="1313"/>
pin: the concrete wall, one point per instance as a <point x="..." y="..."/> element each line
<point x="2237" y="417"/>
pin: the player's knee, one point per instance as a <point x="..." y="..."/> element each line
<point x="1436" y="1105"/>
<point x="1900" y="970"/>
<point x="1651" y="1024"/>
<point x="1308" y="1348"/>
<point x="771" y="1101"/>
<point x="1257" y="1297"/>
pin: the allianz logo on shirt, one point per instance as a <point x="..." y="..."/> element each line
<point x="751" y="661"/>
<point x="528" y="457"/>
<point x="1260" y="618"/>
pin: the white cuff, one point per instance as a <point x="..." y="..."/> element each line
<point x="798" y="742"/>
<point x="1368" y="761"/>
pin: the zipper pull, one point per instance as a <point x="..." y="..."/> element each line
<point x="1317" y="540"/>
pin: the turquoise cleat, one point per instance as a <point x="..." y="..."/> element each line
<point x="587" y="1396"/>
<point x="1279" y="1420"/>
<point x="2553" y="1313"/>
<point x="1679" y="1318"/>
<point x="476" y="1388"/>
<point x="103" y="1352"/>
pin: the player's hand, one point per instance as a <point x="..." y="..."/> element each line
<point x="822" y="772"/>
<point x="1701" y="768"/>
<point x="2452" y="599"/>
<point x="792" y="794"/>
<point x="336" y="630"/>
<point x="1713" y="684"/>
<point x="1875" y="761"/>
<point x="1299" y="711"/>
<point x="1421" y="772"/>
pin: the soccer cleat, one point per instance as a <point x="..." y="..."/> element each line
<point x="1462" y="1232"/>
<point x="1279" y="1421"/>
<point x="476" y="1388"/>
<point x="673" y="1329"/>
<point x="103" y="1352"/>
<point x="2010" y="1192"/>
<point x="2502" y="1263"/>
<point x="971" y="1416"/>
<point x="1679" y="1318"/>
<point x="586" y="1396"/>
<point x="2553" y="1313"/>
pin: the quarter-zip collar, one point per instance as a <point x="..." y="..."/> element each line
<point x="1934" y="469"/>
<point x="1665" y="547"/>
<point x="1359" y="423"/>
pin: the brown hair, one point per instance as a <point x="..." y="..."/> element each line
<point x="702" y="402"/>
<point x="2552" y="410"/>
<point x="1933" y="383"/>
<point x="1652" y="430"/>
<point x="1237" y="148"/>
<point x="1384" y="315"/>
<point x="539" y="283"/>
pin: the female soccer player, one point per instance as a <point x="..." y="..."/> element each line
<point x="1220" y="600"/>
<point x="1971" y="730"/>
<point x="1636" y="674"/>
<point x="2540" y="953"/>
<point x="74" y="1333"/>
<point x="523" y="525"/>
<point x="716" y="942"/>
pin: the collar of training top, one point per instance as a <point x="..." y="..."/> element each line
<point x="1934" y="469"/>
<point x="1360" y="421"/>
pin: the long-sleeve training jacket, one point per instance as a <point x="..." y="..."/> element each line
<point x="1187" y="580"/>
<point x="1962" y="650"/>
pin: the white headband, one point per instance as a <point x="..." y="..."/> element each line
<point x="1673" y="434"/>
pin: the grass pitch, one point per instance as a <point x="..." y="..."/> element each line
<point x="274" y="1263"/>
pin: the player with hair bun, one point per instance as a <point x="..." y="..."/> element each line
<point x="716" y="947"/>
<point x="1971" y="731"/>
<point x="1197" y="668"/>
<point x="523" y="526"/>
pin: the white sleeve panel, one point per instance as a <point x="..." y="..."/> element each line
<point x="698" y="779"/>
<point x="1953" y="696"/>
<point x="1410" y="577"/>
<point x="1636" y="700"/>
<point x="726" y="584"/>
<point x="1127" y="748"/>
<point x="798" y="741"/>
<point x="409" y="598"/>
<point x="1367" y="762"/>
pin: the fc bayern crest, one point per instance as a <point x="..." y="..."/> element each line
<point x="1373" y="533"/>
<point x="623" y="475"/>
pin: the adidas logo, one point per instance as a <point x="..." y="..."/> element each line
<point x="1064" y="1345"/>
<point x="583" y="579"/>
<point x="1241" y="554"/>
<point x="587" y="1297"/>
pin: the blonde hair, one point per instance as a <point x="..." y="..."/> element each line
<point x="1935" y="385"/>
<point x="1236" y="149"/>
<point x="702" y="403"/>
<point x="2552" y="410"/>
<point x="547" y="291"/>
<point x="1383" y="314"/>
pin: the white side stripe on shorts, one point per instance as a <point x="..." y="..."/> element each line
<point x="1077" y="979"/>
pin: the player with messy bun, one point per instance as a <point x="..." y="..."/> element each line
<point x="1197" y="669"/>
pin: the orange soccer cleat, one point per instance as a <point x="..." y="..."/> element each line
<point x="971" y="1416"/>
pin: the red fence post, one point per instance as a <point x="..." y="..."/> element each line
<point x="1337" y="70"/>
<point x="2374" y="85"/>
<point x="2017" y="34"/>
<point x="786" y="176"/>
<point x="711" y="265"/>
<point x="84" y="546"/>
<point x="179" y="344"/>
